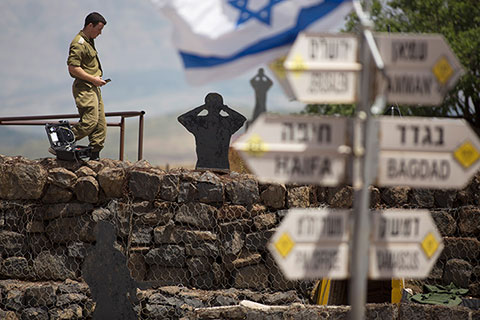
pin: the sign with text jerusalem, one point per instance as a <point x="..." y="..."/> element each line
<point x="405" y="244"/>
<point x="312" y="244"/>
<point x="299" y="149"/>
<point x="322" y="68"/>
<point x="420" y="68"/>
<point x="427" y="152"/>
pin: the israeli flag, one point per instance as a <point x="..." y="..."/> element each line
<point x="220" y="39"/>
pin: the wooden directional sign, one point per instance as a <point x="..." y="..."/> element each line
<point x="322" y="68"/>
<point x="425" y="152"/>
<point x="420" y="68"/>
<point x="312" y="244"/>
<point x="406" y="244"/>
<point x="302" y="149"/>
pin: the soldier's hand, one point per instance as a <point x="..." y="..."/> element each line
<point x="98" y="82"/>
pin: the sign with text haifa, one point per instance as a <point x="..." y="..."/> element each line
<point x="312" y="244"/>
<point x="296" y="148"/>
<point x="322" y="68"/>
<point x="427" y="152"/>
<point x="420" y="68"/>
<point x="405" y="244"/>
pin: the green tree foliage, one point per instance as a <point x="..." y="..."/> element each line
<point x="459" y="22"/>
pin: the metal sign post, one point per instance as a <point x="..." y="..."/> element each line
<point x="365" y="151"/>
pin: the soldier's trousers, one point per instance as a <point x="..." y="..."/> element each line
<point x="88" y="99"/>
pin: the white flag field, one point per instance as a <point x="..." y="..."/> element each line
<point x="220" y="39"/>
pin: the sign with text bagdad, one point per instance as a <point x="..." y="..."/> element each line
<point x="299" y="149"/>
<point x="312" y="244"/>
<point x="424" y="152"/>
<point x="322" y="68"/>
<point x="420" y="68"/>
<point x="405" y="244"/>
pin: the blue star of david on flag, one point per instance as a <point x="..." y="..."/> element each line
<point x="264" y="14"/>
<point x="221" y="39"/>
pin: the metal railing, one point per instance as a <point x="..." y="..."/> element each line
<point x="40" y="120"/>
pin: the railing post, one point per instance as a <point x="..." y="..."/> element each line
<point x="122" y="138"/>
<point x="140" y="136"/>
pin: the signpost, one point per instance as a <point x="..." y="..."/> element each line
<point x="425" y="152"/>
<point x="302" y="149"/>
<point x="322" y="68"/>
<point x="312" y="244"/>
<point x="439" y="153"/>
<point x="406" y="244"/>
<point x="420" y="68"/>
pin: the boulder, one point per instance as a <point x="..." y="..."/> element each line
<point x="244" y="192"/>
<point x="298" y="197"/>
<point x="20" y="181"/>
<point x="112" y="181"/>
<point x="274" y="196"/>
<point x="62" y="177"/>
<point x="86" y="189"/>
<point x="144" y="185"/>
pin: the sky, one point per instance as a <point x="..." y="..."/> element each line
<point x="135" y="50"/>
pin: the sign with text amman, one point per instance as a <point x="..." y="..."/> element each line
<point x="420" y="68"/>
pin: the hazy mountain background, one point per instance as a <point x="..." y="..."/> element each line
<point x="136" y="53"/>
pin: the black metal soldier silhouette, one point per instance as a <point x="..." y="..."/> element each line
<point x="212" y="131"/>
<point x="260" y="83"/>
<point x="106" y="273"/>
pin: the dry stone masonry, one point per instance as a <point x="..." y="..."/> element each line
<point x="195" y="240"/>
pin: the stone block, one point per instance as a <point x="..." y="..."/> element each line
<point x="445" y="223"/>
<point x="231" y="212"/>
<point x="167" y="256"/>
<point x="298" y="197"/>
<point x="457" y="271"/>
<point x="65" y="230"/>
<point x="265" y="221"/>
<point x="460" y="248"/>
<point x="244" y="192"/>
<point x="423" y="198"/>
<point x="165" y="276"/>
<point x="200" y="215"/>
<point x="62" y="177"/>
<point x="469" y="221"/>
<point x="20" y="181"/>
<point x="137" y="264"/>
<point x="55" y="194"/>
<point x="15" y="268"/>
<point x="40" y="296"/>
<point x="86" y="189"/>
<point x="395" y="197"/>
<point x="112" y="181"/>
<point x="274" y="196"/>
<point x="340" y="197"/>
<point x="254" y="277"/>
<point x="144" y="185"/>
<point x="169" y="187"/>
<point x="11" y="243"/>
<point x="71" y="209"/>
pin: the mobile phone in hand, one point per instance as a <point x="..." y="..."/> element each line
<point x="108" y="80"/>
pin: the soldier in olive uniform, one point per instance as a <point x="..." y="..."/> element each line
<point x="84" y="66"/>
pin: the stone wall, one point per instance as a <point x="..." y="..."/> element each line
<point x="185" y="229"/>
